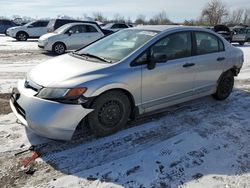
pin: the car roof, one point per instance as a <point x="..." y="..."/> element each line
<point x="162" y="28"/>
<point x="80" y="23"/>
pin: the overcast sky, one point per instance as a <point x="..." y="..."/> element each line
<point x="177" y="10"/>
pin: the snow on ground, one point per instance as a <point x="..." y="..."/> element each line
<point x="202" y="143"/>
<point x="11" y="44"/>
<point x="17" y="58"/>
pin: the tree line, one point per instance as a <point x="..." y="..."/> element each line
<point x="213" y="13"/>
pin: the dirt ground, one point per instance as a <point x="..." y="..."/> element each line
<point x="4" y="103"/>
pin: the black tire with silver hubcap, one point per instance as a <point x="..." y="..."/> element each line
<point x="59" y="48"/>
<point x="21" y="36"/>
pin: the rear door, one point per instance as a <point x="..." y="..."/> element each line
<point x="173" y="77"/>
<point x="37" y="28"/>
<point x="92" y="33"/>
<point x="210" y="61"/>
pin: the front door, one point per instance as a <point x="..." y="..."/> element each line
<point x="173" y="77"/>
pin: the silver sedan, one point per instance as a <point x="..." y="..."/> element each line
<point x="126" y="74"/>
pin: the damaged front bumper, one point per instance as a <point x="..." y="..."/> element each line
<point x="46" y="118"/>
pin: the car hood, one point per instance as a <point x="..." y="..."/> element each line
<point x="65" y="71"/>
<point x="13" y="28"/>
<point x="47" y="35"/>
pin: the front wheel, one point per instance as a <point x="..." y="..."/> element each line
<point x="111" y="113"/>
<point x="22" y="36"/>
<point x="225" y="86"/>
<point x="241" y="43"/>
<point x="59" y="48"/>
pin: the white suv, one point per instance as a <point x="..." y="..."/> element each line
<point x="30" y="30"/>
<point x="70" y="37"/>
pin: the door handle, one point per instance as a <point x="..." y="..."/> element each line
<point x="188" y="65"/>
<point x="221" y="58"/>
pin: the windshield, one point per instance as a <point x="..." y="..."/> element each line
<point x="108" y="25"/>
<point x="119" y="45"/>
<point x="62" y="29"/>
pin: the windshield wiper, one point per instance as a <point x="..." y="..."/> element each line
<point x="95" y="56"/>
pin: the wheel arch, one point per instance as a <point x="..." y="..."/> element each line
<point x="234" y="70"/>
<point x="134" y="108"/>
<point x="57" y="42"/>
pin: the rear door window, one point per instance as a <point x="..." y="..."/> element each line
<point x="40" y="24"/>
<point x="91" y="29"/>
<point x="208" y="43"/>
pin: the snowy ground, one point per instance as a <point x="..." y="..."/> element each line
<point x="203" y="143"/>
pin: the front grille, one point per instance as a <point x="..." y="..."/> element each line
<point x="19" y="109"/>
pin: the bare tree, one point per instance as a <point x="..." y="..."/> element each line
<point x="160" y="19"/>
<point x="141" y="19"/>
<point x="98" y="16"/>
<point x="214" y="12"/>
<point x="236" y="16"/>
<point x="246" y="17"/>
<point x="118" y="18"/>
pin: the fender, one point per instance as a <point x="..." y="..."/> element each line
<point x="109" y="86"/>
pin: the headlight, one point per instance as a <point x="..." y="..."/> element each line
<point x="44" y="42"/>
<point x="61" y="94"/>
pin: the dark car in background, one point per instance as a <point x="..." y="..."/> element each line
<point x="6" y="24"/>
<point x="242" y="36"/>
<point x="224" y="31"/>
<point x="56" y="23"/>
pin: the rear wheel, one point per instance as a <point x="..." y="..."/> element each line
<point x="59" y="48"/>
<point x="21" y="36"/>
<point x="225" y="86"/>
<point x="111" y="112"/>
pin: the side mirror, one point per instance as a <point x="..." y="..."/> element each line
<point x="30" y="26"/>
<point x="151" y="63"/>
<point x="70" y="32"/>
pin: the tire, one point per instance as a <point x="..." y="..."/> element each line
<point x="59" y="48"/>
<point x="5" y="32"/>
<point x="225" y="86"/>
<point x="111" y="113"/>
<point x="241" y="43"/>
<point x="22" y="36"/>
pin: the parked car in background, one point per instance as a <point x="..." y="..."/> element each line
<point x="6" y="24"/>
<point x="115" y="26"/>
<point x="224" y="31"/>
<point x="70" y="37"/>
<point x="56" y="23"/>
<point x="242" y="36"/>
<point x="128" y="73"/>
<point x="32" y="29"/>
